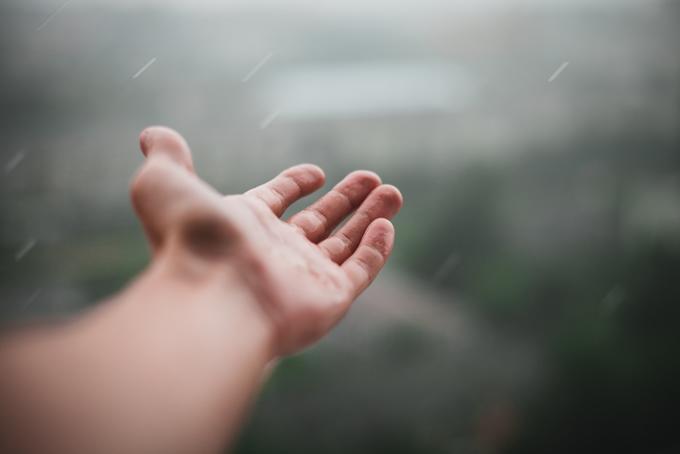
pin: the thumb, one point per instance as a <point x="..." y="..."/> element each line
<point x="159" y="140"/>
<point x="166" y="187"/>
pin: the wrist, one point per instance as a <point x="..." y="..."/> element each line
<point x="216" y="295"/>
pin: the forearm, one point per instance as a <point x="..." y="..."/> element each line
<point x="168" y="365"/>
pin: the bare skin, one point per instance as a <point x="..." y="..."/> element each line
<point x="172" y="363"/>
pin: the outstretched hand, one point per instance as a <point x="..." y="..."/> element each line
<point x="303" y="273"/>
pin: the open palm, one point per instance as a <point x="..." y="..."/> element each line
<point x="305" y="272"/>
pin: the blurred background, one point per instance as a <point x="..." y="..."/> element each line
<point x="533" y="301"/>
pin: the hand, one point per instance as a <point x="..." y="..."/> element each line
<point x="302" y="273"/>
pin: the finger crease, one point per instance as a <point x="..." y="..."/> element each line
<point x="281" y="198"/>
<point x="346" y="198"/>
<point x="344" y="238"/>
<point x="363" y="214"/>
<point x="363" y="263"/>
<point x="297" y="185"/>
<point x="320" y="216"/>
<point x="376" y="251"/>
